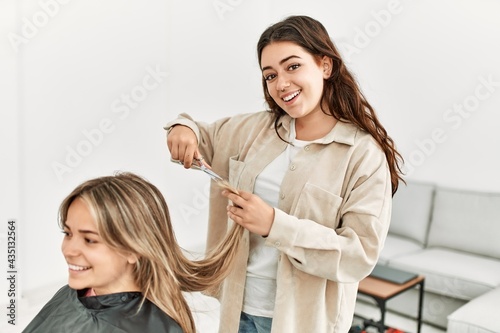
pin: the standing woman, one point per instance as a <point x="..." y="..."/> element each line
<point x="316" y="174"/>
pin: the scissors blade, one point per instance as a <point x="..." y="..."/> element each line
<point x="215" y="177"/>
<point x="209" y="172"/>
<point x="218" y="179"/>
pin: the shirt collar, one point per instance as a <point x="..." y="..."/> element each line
<point x="343" y="132"/>
<point x="106" y="301"/>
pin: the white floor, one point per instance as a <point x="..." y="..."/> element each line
<point x="205" y="311"/>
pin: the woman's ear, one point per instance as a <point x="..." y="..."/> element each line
<point x="327" y="64"/>
<point x="132" y="259"/>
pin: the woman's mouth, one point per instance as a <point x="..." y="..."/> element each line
<point x="78" y="268"/>
<point x="290" y="97"/>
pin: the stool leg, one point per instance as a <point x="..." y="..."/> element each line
<point x="420" y="304"/>
<point x="381" y="322"/>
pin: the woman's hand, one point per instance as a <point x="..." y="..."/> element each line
<point x="183" y="145"/>
<point x="250" y="211"/>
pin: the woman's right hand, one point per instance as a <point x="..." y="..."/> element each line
<point x="183" y="145"/>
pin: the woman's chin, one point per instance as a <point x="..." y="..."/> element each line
<point x="76" y="285"/>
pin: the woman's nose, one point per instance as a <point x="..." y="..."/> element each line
<point x="70" y="247"/>
<point x="283" y="83"/>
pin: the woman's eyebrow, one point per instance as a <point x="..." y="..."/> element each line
<point x="88" y="232"/>
<point x="82" y="231"/>
<point x="282" y="61"/>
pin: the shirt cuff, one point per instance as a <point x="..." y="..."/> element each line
<point x="283" y="231"/>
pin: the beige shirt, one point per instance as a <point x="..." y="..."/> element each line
<point x="330" y="224"/>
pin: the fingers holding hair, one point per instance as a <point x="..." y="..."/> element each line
<point x="250" y="211"/>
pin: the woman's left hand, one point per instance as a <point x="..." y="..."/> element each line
<point x="250" y="211"/>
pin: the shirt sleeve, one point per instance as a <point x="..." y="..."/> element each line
<point x="208" y="135"/>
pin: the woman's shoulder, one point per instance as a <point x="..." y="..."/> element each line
<point x="150" y="319"/>
<point x="246" y="124"/>
<point x="348" y="133"/>
<point x="254" y="117"/>
<point x="61" y="304"/>
<point x="62" y="296"/>
<point x="363" y="146"/>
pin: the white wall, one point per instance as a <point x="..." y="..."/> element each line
<point x="415" y="60"/>
<point x="76" y="66"/>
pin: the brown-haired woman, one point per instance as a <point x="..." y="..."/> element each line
<point x="126" y="270"/>
<point x="316" y="174"/>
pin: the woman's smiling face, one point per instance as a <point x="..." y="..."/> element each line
<point x="91" y="263"/>
<point x="294" y="78"/>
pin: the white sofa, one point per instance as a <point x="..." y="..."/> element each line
<point x="452" y="237"/>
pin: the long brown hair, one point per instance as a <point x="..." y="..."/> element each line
<point x="341" y="93"/>
<point x="132" y="216"/>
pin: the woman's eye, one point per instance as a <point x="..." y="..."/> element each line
<point x="293" y="67"/>
<point x="90" y="241"/>
<point x="269" y="77"/>
<point x="66" y="233"/>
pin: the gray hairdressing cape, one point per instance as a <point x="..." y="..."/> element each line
<point x="70" y="311"/>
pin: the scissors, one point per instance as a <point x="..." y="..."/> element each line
<point x="215" y="177"/>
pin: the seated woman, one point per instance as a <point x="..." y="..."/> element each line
<point x="126" y="269"/>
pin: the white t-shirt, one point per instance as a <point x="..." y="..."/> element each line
<point x="260" y="285"/>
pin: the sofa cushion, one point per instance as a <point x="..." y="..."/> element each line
<point x="452" y="273"/>
<point x="478" y="316"/>
<point x="411" y="211"/>
<point x="396" y="246"/>
<point x="466" y="221"/>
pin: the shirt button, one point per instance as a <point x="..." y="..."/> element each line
<point x="306" y="148"/>
<point x="277" y="243"/>
<point x="282" y="196"/>
<point x="293" y="167"/>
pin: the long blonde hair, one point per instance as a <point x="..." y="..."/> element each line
<point x="132" y="216"/>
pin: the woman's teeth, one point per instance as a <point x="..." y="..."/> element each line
<point x="78" y="268"/>
<point x="291" y="96"/>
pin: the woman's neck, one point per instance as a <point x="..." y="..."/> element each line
<point x="313" y="128"/>
<point x="90" y="292"/>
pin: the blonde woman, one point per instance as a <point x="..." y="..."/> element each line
<point x="126" y="270"/>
